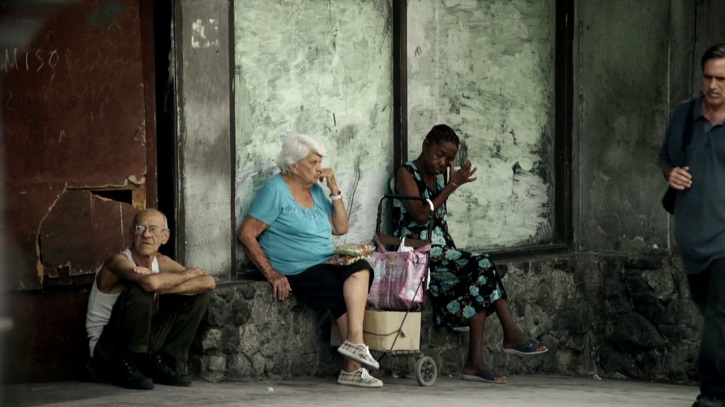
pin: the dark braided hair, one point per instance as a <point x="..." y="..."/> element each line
<point x="442" y="132"/>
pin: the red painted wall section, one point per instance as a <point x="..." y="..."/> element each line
<point x="79" y="233"/>
<point x="73" y="121"/>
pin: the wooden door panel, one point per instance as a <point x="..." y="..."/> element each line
<point x="73" y="116"/>
<point x="73" y="108"/>
<point x="80" y="231"/>
<point x="25" y="207"/>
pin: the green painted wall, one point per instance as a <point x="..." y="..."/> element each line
<point x="486" y="68"/>
<point x="321" y="68"/>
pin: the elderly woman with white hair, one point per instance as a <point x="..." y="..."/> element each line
<point x="287" y="235"/>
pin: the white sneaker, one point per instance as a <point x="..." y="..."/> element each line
<point x="360" y="378"/>
<point x="359" y="353"/>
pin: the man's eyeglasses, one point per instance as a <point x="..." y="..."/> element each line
<point x="153" y="229"/>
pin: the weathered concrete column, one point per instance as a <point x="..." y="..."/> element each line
<point x="204" y="95"/>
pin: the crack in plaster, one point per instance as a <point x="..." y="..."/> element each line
<point x="40" y="269"/>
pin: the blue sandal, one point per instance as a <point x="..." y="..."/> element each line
<point x="526" y="348"/>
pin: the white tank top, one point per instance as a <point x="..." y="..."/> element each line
<point x="100" y="305"/>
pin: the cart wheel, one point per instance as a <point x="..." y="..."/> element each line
<point x="426" y="371"/>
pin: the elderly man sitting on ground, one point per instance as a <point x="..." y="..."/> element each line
<point x="144" y="309"/>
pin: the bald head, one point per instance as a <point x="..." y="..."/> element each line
<point x="149" y="212"/>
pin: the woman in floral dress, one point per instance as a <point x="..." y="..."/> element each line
<point x="465" y="286"/>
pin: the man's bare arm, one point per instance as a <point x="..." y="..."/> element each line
<point x="193" y="286"/>
<point x="115" y="269"/>
<point x="172" y="277"/>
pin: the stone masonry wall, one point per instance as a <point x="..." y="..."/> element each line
<point x="616" y="317"/>
<point x="248" y="335"/>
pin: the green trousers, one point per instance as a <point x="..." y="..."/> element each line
<point x="134" y="327"/>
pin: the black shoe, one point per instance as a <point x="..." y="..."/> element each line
<point x="128" y="376"/>
<point x="163" y="374"/>
<point x="95" y="372"/>
<point x="709" y="401"/>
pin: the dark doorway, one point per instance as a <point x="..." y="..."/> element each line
<point x="166" y="119"/>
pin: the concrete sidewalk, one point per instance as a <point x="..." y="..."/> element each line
<point x="536" y="390"/>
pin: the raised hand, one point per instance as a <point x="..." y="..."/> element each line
<point x="462" y="175"/>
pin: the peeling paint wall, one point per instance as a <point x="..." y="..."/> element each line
<point x="321" y="68"/>
<point x="486" y="68"/>
<point x="72" y="89"/>
<point x="204" y="219"/>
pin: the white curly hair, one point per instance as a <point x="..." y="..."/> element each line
<point x="297" y="147"/>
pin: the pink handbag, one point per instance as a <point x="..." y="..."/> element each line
<point x="400" y="276"/>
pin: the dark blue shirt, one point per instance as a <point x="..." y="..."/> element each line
<point x="700" y="209"/>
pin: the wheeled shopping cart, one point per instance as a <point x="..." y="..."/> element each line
<point x="426" y="370"/>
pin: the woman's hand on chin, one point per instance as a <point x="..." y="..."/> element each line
<point x="327" y="174"/>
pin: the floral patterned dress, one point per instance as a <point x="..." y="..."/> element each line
<point x="462" y="283"/>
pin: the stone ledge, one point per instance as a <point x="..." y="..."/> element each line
<point x="614" y="316"/>
<point x="248" y="335"/>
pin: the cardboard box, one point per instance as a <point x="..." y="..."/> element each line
<point x="381" y="327"/>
